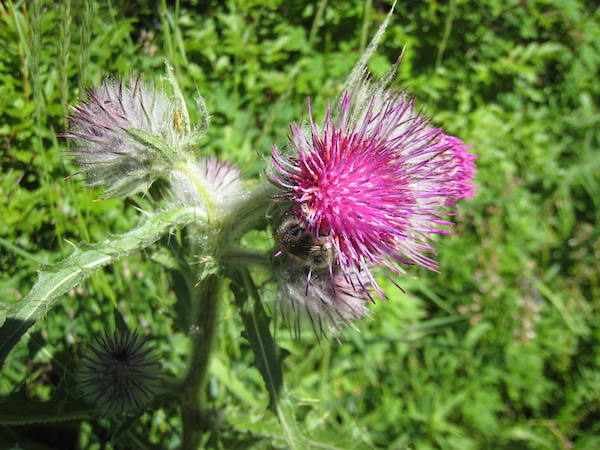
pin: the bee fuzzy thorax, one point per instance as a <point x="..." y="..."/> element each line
<point x="295" y="238"/>
<point x="321" y="256"/>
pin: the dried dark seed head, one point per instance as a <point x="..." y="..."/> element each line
<point x="119" y="373"/>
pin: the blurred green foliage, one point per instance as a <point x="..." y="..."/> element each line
<point x="499" y="351"/>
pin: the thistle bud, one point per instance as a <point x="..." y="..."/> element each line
<point x="328" y="299"/>
<point x="129" y="134"/>
<point x="119" y="373"/>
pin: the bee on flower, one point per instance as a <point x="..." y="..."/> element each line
<point x="373" y="181"/>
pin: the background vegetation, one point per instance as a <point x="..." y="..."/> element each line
<point x="499" y="351"/>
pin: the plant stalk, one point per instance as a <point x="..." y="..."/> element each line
<point x="194" y="413"/>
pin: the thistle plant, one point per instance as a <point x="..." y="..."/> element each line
<point x="368" y="188"/>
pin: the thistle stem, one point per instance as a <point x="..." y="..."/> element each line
<point x="205" y="298"/>
<point x="250" y="212"/>
<point x="194" y="413"/>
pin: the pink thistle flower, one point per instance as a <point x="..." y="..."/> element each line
<point x="371" y="181"/>
<point x="462" y="169"/>
<point x="370" y="187"/>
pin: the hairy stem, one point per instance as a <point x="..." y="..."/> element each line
<point x="194" y="413"/>
<point x="250" y="213"/>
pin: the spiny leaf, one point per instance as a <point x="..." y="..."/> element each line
<point x="267" y="355"/>
<point x="55" y="280"/>
<point x="151" y="141"/>
<point x="256" y="331"/>
<point x="17" y="409"/>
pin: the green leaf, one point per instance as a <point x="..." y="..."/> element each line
<point x="2" y="314"/>
<point x="258" y="334"/>
<point x="267" y="355"/>
<point x="17" y="409"/>
<point x="234" y="385"/>
<point x="558" y="303"/>
<point x="123" y="428"/>
<point x="153" y="142"/>
<point x="120" y="324"/>
<point x="55" y="280"/>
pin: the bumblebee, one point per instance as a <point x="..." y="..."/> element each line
<point x="294" y="238"/>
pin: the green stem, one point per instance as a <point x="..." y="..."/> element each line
<point x="250" y="212"/>
<point x="193" y="412"/>
<point x="205" y="296"/>
<point x="245" y="257"/>
<point x="317" y="21"/>
<point x="447" y="31"/>
<point x="18" y="410"/>
<point x="364" y="32"/>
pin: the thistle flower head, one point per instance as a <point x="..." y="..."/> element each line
<point x="110" y="152"/>
<point x="461" y="170"/>
<point x="329" y="300"/>
<point x="129" y="134"/>
<point x="370" y="181"/>
<point x="119" y="373"/>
